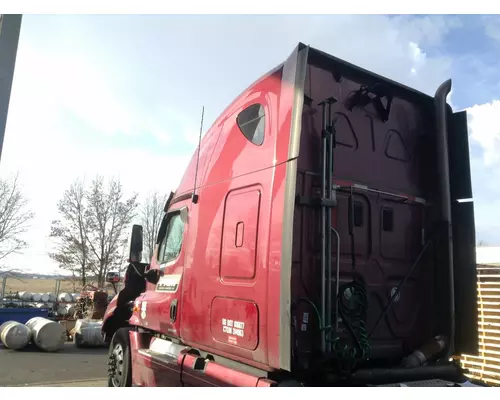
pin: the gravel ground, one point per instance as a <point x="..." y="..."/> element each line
<point x="69" y="367"/>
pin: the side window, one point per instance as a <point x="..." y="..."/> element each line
<point x="387" y="219"/>
<point x="251" y="122"/>
<point x="358" y="214"/>
<point x="171" y="244"/>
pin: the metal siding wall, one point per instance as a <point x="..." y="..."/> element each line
<point x="486" y="366"/>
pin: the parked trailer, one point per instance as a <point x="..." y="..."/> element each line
<point x="22" y="315"/>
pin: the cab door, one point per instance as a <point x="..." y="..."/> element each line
<point x="160" y="305"/>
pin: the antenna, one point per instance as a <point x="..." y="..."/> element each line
<point x="194" y="198"/>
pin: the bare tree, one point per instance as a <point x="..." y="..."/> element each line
<point x="108" y="217"/>
<point x="15" y="217"/>
<point x="93" y="228"/>
<point x="71" y="250"/>
<point x="151" y="214"/>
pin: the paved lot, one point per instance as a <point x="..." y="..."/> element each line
<point x="70" y="367"/>
<point x="82" y="383"/>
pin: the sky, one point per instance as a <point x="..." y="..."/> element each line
<point x="122" y="95"/>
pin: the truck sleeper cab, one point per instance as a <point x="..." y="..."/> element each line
<point x="318" y="236"/>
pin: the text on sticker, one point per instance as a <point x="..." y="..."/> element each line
<point x="236" y="328"/>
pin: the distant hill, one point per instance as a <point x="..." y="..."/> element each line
<point x="31" y="275"/>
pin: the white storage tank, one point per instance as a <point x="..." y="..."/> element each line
<point x="36" y="297"/>
<point x="62" y="310"/>
<point x="88" y="333"/>
<point x="25" y="296"/>
<point x="44" y="297"/>
<point x="47" y="335"/>
<point x="70" y="309"/>
<point x="3" y="325"/>
<point x="65" y="297"/>
<point x="52" y="297"/>
<point x="15" y="335"/>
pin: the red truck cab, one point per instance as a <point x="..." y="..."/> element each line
<point x="322" y="234"/>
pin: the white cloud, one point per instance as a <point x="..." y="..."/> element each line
<point x="492" y="26"/>
<point x="38" y="145"/>
<point x="484" y="133"/>
<point x="390" y="46"/>
<point x="429" y="29"/>
<point x="77" y="84"/>
<point x="125" y="80"/>
<point x="58" y="164"/>
<point x="485" y="130"/>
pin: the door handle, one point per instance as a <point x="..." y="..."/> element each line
<point x="173" y="311"/>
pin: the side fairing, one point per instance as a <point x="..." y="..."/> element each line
<point x="292" y="95"/>
<point x="464" y="238"/>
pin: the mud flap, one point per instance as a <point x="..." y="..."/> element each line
<point x="464" y="236"/>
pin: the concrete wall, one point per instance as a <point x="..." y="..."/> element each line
<point x="10" y="26"/>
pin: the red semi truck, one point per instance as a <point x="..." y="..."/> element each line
<point x="323" y="234"/>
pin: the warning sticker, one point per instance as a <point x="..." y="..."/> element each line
<point x="235" y="328"/>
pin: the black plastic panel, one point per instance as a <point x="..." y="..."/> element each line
<point x="465" y="272"/>
<point x="458" y="151"/>
<point x="464" y="238"/>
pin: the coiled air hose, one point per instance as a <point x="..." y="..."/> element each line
<point x="353" y="315"/>
<point x="352" y="311"/>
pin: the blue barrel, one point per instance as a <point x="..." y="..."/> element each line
<point x="22" y="315"/>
